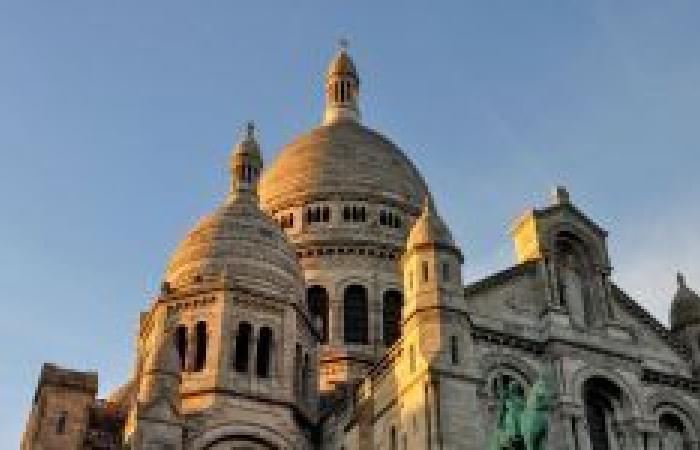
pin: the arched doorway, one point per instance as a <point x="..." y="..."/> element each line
<point x="603" y="402"/>
<point x="672" y="433"/>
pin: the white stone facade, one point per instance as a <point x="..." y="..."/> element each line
<point x="321" y="306"/>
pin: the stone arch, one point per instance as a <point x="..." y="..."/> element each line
<point x="631" y="395"/>
<point x="593" y="244"/>
<point x="508" y="360"/>
<point x="242" y="433"/>
<point x="666" y="401"/>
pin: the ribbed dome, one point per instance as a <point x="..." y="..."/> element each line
<point x="342" y="158"/>
<point x="241" y="243"/>
<point x="685" y="309"/>
<point x="430" y="229"/>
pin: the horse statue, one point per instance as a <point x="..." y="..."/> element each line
<point x="522" y="423"/>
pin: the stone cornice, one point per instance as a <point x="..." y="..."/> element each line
<point x="527" y="267"/>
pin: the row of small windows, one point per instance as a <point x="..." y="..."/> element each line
<point x="390" y="219"/>
<point x="425" y="273"/>
<point x="318" y="214"/>
<point x="356" y="313"/>
<point x="342" y="91"/>
<point x="242" y="346"/>
<point x="247" y="173"/>
<point x="354" y="213"/>
<point x="192" y="362"/>
<point x="196" y="361"/>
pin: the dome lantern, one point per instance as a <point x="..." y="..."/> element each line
<point x="342" y="88"/>
<point x="246" y="164"/>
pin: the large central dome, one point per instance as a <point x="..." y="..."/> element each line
<point x="343" y="159"/>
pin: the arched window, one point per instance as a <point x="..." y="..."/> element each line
<point x="326" y="214"/>
<point x="262" y="366"/>
<point x="425" y="270"/>
<point x="181" y="344"/>
<point x="673" y="435"/>
<point x="454" y="350"/>
<point x="200" y="357"/>
<point x="393" y="445"/>
<point x="411" y="358"/>
<point x="297" y="370"/>
<point x="355" y="314"/>
<point x="573" y="276"/>
<point x="503" y="381"/>
<point x="391" y="316"/>
<point x="382" y="217"/>
<point x="242" y="347"/>
<point x="317" y="299"/>
<point x="397" y="221"/>
<point x="305" y="381"/>
<point x="347" y="213"/>
<point x="61" y="422"/>
<point x="600" y="398"/>
<point x="445" y="271"/>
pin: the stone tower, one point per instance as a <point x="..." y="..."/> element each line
<point x="60" y="410"/>
<point x="228" y="352"/>
<point x="685" y="319"/>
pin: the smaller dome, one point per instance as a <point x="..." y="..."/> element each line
<point x="240" y="243"/>
<point x="685" y="309"/>
<point x="430" y="229"/>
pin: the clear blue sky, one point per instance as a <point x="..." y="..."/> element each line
<point x="116" y="119"/>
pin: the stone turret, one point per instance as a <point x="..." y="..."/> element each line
<point x="342" y="89"/>
<point x="60" y="410"/>
<point x="246" y="164"/>
<point x="432" y="262"/>
<point x="684" y="318"/>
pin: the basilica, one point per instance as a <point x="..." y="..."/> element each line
<point x="321" y="306"/>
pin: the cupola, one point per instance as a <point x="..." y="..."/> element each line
<point x="342" y="89"/>
<point x="246" y="164"/>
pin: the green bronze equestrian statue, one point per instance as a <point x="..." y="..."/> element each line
<point x="522" y="424"/>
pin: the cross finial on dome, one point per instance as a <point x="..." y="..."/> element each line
<point x="250" y="130"/>
<point x="560" y="196"/>
<point x="681" y="279"/>
<point x="343" y="44"/>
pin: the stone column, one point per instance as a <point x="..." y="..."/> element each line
<point x="653" y="441"/>
<point x="584" y="440"/>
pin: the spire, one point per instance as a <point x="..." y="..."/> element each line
<point x="342" y="88"/>
<point x="246" y="163"/>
